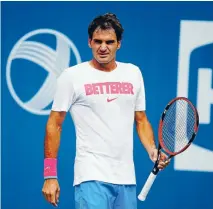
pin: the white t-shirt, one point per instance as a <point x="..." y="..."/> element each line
<point x="102" y="105"/>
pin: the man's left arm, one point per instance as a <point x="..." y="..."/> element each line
<point x="146" y="136"/>
<point x="145" y="131"/>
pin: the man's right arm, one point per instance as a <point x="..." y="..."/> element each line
<point x="63" y="99"/>
<point x="51" y="189"/>
<point x="53" y="133"/>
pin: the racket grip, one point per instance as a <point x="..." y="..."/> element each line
<point x="147" y="187"/>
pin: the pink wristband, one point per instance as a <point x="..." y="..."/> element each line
<point x="50" y="168"/>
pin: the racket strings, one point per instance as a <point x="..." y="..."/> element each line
<point x="169" y="130"/>
<point x="178" y="126"/>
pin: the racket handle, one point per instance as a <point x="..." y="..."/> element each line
<point x="147" y="187"/>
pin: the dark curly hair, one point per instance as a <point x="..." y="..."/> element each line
<point x="106" y="21"/>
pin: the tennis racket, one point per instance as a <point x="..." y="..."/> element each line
<point x="177" y="129"/>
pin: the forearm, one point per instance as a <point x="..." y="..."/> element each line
<point x="52" y="139"/>
<point x="146" y="135"/>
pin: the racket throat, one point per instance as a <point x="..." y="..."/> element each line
<point x="155" y="169"/>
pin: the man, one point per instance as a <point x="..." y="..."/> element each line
<point x="105" y="97"/>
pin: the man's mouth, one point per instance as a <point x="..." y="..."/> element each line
<point x="103" y="55"/>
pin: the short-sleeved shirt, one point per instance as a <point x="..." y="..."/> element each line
<point x="102" y="106"/>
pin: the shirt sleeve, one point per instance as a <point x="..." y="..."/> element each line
<point x="140" y="97"/>
<point x="65" y="94"/>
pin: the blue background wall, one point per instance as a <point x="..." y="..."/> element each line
<point x="151" y="41"/>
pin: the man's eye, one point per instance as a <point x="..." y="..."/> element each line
<point x="110" y="42"/>
<point x="97" y="41"/>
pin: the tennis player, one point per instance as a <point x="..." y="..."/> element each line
<point x="105" y="97"/>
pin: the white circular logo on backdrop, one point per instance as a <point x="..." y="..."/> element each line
<point x="54" y="61"/>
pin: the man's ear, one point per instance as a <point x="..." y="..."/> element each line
<point x="89" y="42"/>
<point x="119" y="45"/>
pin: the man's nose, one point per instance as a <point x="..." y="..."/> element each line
<point x="103" y="47"/>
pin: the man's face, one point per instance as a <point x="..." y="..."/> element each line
<point x="104" y="45"/>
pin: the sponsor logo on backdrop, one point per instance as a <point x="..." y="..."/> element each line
<point x="53" y="60"/>
<point x="195" y="35"/>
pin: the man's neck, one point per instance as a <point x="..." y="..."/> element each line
<point x="103" y="67"/>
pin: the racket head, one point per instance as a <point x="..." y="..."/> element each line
<point x="178" y="126"/>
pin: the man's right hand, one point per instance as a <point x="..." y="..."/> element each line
<point x="51" y="191"/>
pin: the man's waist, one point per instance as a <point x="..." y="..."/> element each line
<point x="94" y="167"/>
<point x="123" y="157"/>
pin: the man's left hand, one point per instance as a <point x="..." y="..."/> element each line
<point x="163" y="162"/>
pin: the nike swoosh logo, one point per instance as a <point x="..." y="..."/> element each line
<point x="110" y="100"/>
